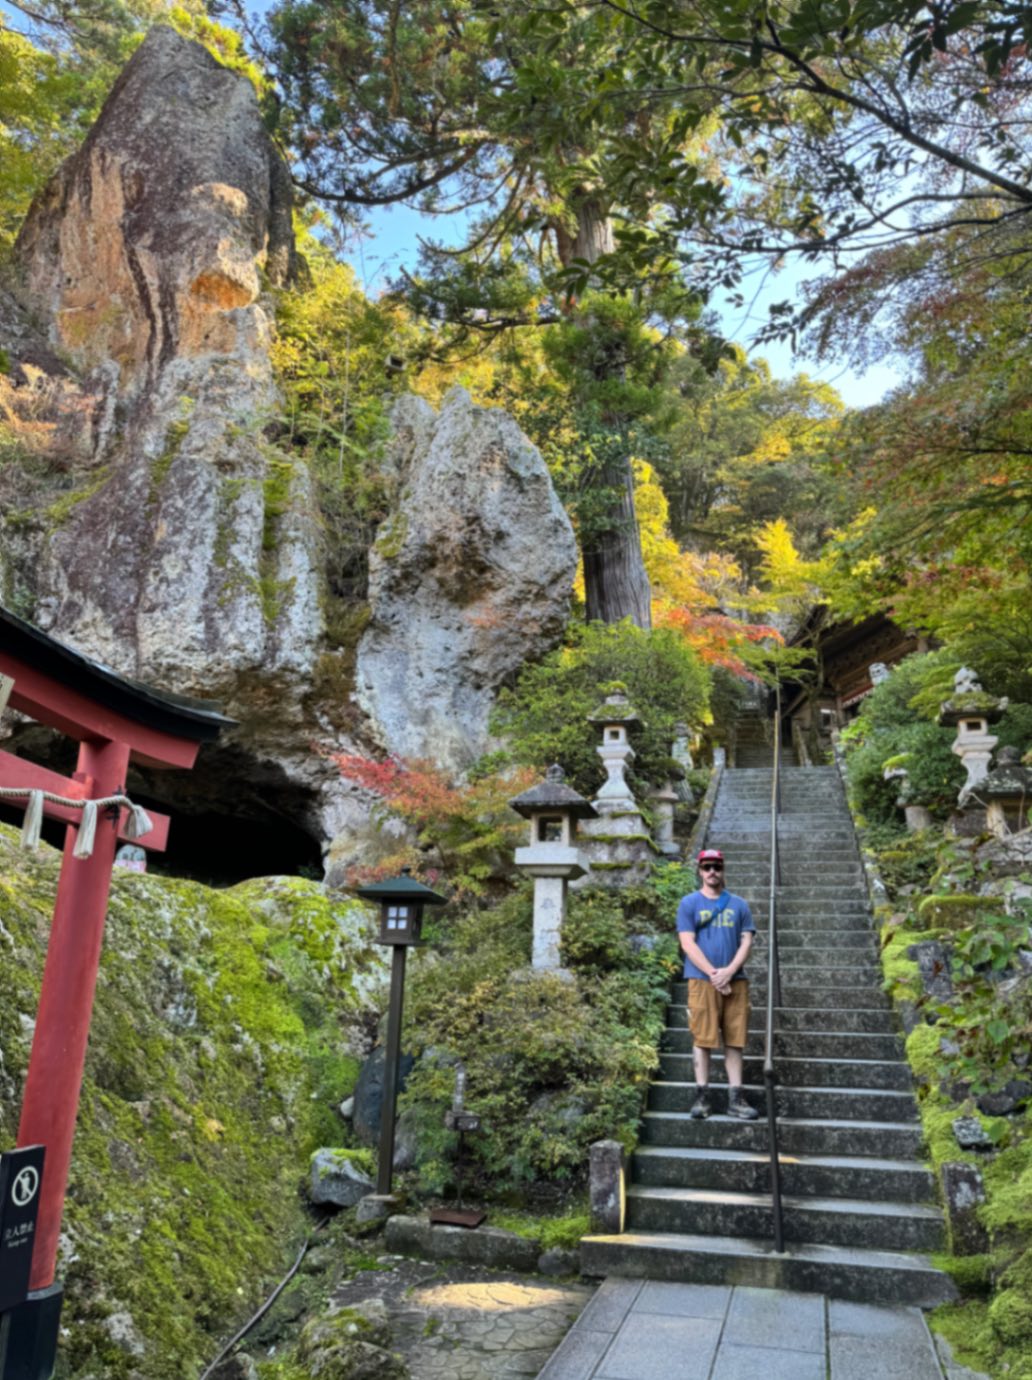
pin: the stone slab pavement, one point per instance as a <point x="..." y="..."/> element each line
<point x="646" y="1330"/>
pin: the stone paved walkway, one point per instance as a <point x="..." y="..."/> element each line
<point x="466" y="1322"/>
<point x="645" y="1330"/>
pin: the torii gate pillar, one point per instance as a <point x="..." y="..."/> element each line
<point x="114" y="721"/>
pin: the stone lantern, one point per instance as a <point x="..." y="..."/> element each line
<point x="1007" y="792"/>
<point x="618" y="843"/>
<point x="551" y="858"/>
<point x="917" y="816"/>
<point x="971" y="710"/>
<point x="664" y="799"/>
<point x="681" y="752"/>
<point x="615" y="716"/>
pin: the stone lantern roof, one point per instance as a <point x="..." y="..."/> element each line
<point x="970" y="701"/>
<point x="615" y="709"/>
<point x="1008" y="780"/>
<point x="553" y="794"/>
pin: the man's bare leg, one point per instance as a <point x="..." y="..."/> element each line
<point x="701" y="1107"/>
<point x="733" y="1064"/>
<point x="700" y="1063"/>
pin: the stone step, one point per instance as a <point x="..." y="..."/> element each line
<point x="872" y="1019"/>
<point x="813" y="920"/>
<point x="846" y="998"/>
<point x="827" y="808"/>
<point x="796" y="1135"/>
<point x="822" y="1104"/>
<point x="862" y="955"/>
<point x="845" y="873"/>
<point x="795" y="975"/>
<point x="805" y="1072"/>
<point x="728" y="840"/>
<point x="803" y="1044"/>
<point x="759" y="857"/>
<point x="834" y="1221"/>
<point x="863" y="1276"/>
<point x="811" y="915"/>
<point x="748" y="1171"/>
<point x="842" y="876"/>
<point x="793" y="943"/>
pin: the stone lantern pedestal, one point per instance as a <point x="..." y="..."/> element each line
<point x="681" y="752"/>
<point x="970" y="710"/>
<point x="664" y="801"/>
<point x="552" y="859"/>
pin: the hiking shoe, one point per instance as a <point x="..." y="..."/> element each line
<point x="702" y="1106"/>
<point x="737" y="1106"/>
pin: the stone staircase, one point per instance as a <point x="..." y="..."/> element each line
<point x="859" y="1210"/>
<point x="752" y="742"/>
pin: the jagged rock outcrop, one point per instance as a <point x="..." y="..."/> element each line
<point x="470" y="577"/>
<point x="182" y="552"/>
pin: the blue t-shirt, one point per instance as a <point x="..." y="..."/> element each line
<point x="718" y="926"/>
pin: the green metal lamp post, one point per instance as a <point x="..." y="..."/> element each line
<point x="401" y="901"/>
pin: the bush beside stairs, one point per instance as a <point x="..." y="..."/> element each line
<point x="858" y="1203"/>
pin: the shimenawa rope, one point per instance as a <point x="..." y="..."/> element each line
<point x="138" y="823"/>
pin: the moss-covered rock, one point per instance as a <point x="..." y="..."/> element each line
<point x="351" y="1344"/>
<point x="227" y="1027"/>
<point x="944" y="911"/>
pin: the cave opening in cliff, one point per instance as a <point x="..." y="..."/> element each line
<point x="234" y="816"/>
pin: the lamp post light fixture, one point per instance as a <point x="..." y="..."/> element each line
<point x="401" y="901"/>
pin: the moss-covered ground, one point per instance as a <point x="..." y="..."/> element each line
<point x="227" y="1028"/>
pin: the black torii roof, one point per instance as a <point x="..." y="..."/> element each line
<point x="181" y="715"/>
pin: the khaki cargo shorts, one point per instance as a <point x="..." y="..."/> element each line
<point x="710" y="1014"/>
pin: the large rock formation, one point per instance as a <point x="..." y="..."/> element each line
<point x="471" y="576"/>
<point x="149" y="519"/>
<point x="182" y="554"/>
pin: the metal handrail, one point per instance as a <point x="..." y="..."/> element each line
<point x="774" y="985"/>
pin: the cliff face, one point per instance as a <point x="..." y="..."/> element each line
<point x="182" y="556"/>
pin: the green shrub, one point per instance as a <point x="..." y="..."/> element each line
<point x="545" y="716"/>
<point x="895" y="724"/>
<point x="552" y="1064"/>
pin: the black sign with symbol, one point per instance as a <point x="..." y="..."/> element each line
<point x="21" y="1176"/>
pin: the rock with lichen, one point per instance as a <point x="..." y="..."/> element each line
<point x="470" y="577"/>
<point x="181" y="549"/>
<point x="351" y="1344"/>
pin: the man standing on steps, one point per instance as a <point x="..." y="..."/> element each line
<point x="716" y="928"/>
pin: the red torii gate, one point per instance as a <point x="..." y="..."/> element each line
<point x="114" y="720"/>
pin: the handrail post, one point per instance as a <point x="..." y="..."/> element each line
<point x="774" y="986"/>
